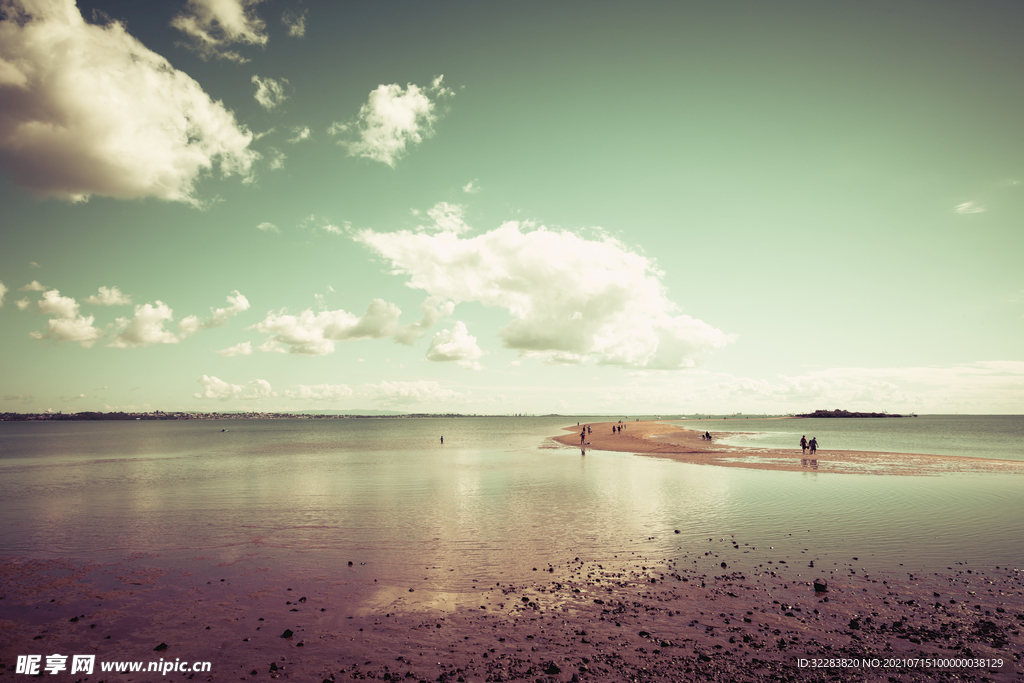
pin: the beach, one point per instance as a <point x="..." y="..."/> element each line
<point x="724" y="611"/>
<point x="349" y="551"/>
<point x="663" y="440"/>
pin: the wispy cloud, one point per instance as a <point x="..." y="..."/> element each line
<point x="242" y="349"/>
<point x="218" y="389"/>
<point x="393" y="120"/>
<point x="269" y="93"/>
<point x="213" y="25"/>
<point x="969" y="207"/>
<point x="295" y="22"/>
<point x="266" y="226"/>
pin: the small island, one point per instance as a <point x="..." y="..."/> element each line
<point x="846" y="413"/>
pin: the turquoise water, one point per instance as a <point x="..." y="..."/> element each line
<point x="981" y="436"/>
<point x="498" y="498"/>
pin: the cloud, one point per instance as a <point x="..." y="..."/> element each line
<point x="295" y="23"/>
<point x="392" y="120"/>
<point x="214" y="24"/>
<point x="269" y="93"/>
<point x="33" y="286"/>
<point x="243" y="349"/>
<point x="24" y="398"/>
<point x="471" y="187"/>
<point x="67" y="324"/>
<point x="300" y="133"/>
<point x="33" y="264"/>
<point x="109" y="296"/>
<point x="3" y="291"/>
<point x="145" y="328"/>
<point x="456" y="345"/>
<point x="218" y="318"/>
<point x="22" y="304"/>
<point x="969" y="207"/>
<point x="218" y="389"/>
<point x="314" y="334"/>
<point x="87" y="109"/>
<point x="268" y="227"/>
<point x="403" y="393"/>
<point x="321" y="392"/>
<point x="448" y="217"/>
<point x="571" y="299"/>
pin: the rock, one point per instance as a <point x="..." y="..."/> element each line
<point x="287" y="633"/>
<point x="160" y="648"/>
<point x="820" y="586"/>
<point x="551" y="669"/>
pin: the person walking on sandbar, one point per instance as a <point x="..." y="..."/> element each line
<point x="814" y="445"/>
<point x="803" y="444"/>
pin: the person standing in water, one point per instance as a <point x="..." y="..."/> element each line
<point x="814" y="445"/>
<point x="442" y="439"/>
<point x="803" y="444"/>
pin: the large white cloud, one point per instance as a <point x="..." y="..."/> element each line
<point x="457" y="345"/>
<point x="216" y="388"/>
<point x="571" y="299"/>
<point x="214" y="24"/>
<point x="393" y="119"/>
<point x="87" y="109"/>
<point x="315" y="334"/>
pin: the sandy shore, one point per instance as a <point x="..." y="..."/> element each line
<point x="685" y="445"/>
<point x="725" y="610"/>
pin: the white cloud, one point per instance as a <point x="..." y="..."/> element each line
<point x="321" y="392"/>
<point x="571" y="299"/>
<point x="295" y="23"/>
<point x="103" y="114"/>
<point x="78" y="329"/>
<point x="268" y="227"/>
<point x="216" y="388"/>
<point x="471" y="187"/>
<point x="269" y="93"/>
<point x="448" y="218"/>
<point x="456" y="345"/>
<point x="33" y="286"/>
<point x="314" y="334"/>
<point x="276" y="161"/>
<point x="3" y="291"/>
<point x="22" y="304"/>
<point x="400" y="393"/>
<point x="969" y="207"/>
<point x="242" y="349"/>
<point x="392" y="120"/>
<point x="335" y="230"/>
<point x="146" y="327"/>
<point x="109" y="296"/>
<point x="215" y="24"/>
<point x="300" y="133"/>
<point x="59" y="306"/>
<point x="192" y="324"/>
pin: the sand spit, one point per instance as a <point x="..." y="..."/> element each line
<point x="675" y="443"/>
<point x="724" y="610"/>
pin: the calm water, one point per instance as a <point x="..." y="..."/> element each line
<point x="981" y="436"/>
<point x="497" y="499"/>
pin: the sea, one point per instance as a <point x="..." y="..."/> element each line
<point x="498" y="498"/>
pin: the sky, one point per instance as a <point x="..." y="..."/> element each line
<point x="521" y="207"/>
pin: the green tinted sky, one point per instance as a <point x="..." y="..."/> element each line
<point x="628" y="207"/>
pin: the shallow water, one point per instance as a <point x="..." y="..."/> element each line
<point x="498" y="498"/>
<point x="980" y="436"/>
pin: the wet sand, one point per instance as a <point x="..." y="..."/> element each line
<point x="723" y="609"/>
<point x="675" y="443"/>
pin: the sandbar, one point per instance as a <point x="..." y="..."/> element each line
<point x="663" y="440"/>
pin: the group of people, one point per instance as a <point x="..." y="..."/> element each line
<point x="583" y="434"/>
<point x="706" y="436"/>
<point x="812" y="444"/>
